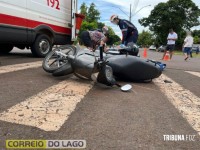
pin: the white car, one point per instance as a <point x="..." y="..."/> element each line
<point x="195" y="49"/>
<point x="162" y="48"/>
<point x="152" y="47"/>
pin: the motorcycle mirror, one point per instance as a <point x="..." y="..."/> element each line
<point x="126" y="88"/>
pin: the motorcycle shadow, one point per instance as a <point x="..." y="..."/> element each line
<point x="135" y="81"/>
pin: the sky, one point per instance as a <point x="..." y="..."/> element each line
<point x="140" y="9"/>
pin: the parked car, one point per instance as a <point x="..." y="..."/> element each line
<point x="195" y="49"/>
<point x="152" y="47"/>
<point x="162" y="48"/>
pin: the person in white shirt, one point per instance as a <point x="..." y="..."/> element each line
<point x="171" y="41"/>
<point x="187" y="45"/>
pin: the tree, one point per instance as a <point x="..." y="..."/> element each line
<point x="89" y="26"/>
<point x="196" y="33"/>
<point x="145" y="38"/>
<point x="196" y="40"/>
<point x="91" y="17"/>
<point x="93" y="14"/>
<point x="177" y="14"/>
<point x="84" y="9"/>
<point x="116" y="40"/>
<point x="113" y="38"/>
<point x="100" y="25"/>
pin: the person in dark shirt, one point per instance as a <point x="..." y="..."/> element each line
<point x="129" y="31"/>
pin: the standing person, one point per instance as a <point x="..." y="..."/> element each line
<point x="171" y="41"/>
<point x="93" y="39"/>
<point x="188" y="43"/>
<point x="197" y="52"/>
<point x="129" y="31"/>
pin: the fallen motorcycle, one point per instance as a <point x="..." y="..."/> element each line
<point x="67" y="62"/>
<point x="57" y="58"/>
<point x="84" y="63"/>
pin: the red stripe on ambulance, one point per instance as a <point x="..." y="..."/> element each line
<point x="27" y="23"/>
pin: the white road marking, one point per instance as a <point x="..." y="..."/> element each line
<point x="185" y="101"/>
<point x="18" y="67"/>
<point x="194" y="73"/>
<point x="49" y="109"/>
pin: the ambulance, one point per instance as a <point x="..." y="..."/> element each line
<point x="38" y="24"/>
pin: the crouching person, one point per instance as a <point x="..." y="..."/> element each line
<point x="93" y="39"/>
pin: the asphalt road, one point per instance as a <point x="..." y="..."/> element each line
<point x="106" y="118"/>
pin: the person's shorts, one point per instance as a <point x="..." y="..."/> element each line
<point x="187" y="50"/>
<point x="170" y="48"/>
<point x="85" y="39"/>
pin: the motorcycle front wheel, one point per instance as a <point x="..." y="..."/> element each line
<point x="55" y="60"/>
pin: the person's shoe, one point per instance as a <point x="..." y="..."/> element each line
<point x="186" y="58"/>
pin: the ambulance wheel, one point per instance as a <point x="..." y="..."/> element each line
<point x="5" y="49"/>
<point x="42" y="46"/>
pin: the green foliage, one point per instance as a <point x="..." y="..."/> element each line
<point x="196" y="40"/>
<point x="196" y="33"/>
<point x="177" y="14"/>
<point x="93" y="14"/>
<point x="88" y="26"/>
<point x="84" y="9"/>
<point x="100" y="25"/>
<point x="145" y="38"/>
<point x="114" y="39"/>
<point x="111" y="31"/>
